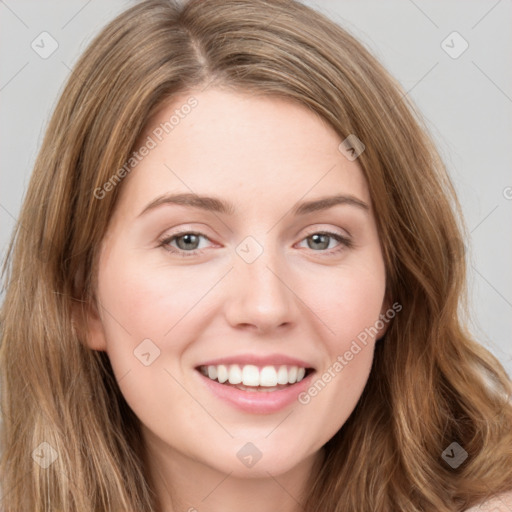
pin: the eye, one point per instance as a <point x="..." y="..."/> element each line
<point x="187" y="243"/>
<point x="322" y="240"/>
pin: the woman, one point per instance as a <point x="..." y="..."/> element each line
<point x="236" y="281"/>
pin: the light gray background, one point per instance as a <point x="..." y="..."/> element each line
<point x="466" y="101"/>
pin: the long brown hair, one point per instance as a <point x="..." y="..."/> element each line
<point x="431" y="384"/>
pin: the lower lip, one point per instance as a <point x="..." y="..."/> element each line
<point x="257" y="402"/>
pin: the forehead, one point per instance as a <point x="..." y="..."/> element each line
<point x="250" y="149"/>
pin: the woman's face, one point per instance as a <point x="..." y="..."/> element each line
<point x="260" y="282"/>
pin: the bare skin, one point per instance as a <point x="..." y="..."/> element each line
<point x="305" y="296"/>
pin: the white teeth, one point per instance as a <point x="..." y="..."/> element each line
<point x="222" y="373"/>
<point x="250" y="375"/>
<point x="282" y="375"/>
<point x="254" y="376"/>
<point x="268" y="376"/>
<point x="235" y="374"/>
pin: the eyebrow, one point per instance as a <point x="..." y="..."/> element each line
<point x="214" y="204"/>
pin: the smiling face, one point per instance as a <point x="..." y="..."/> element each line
<point x="260" y="282"/>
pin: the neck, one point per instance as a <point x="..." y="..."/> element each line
<point x="183" y="484"/>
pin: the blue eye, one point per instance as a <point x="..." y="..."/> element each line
<point x="187" y="243"/>
<point x="322" y="240"/>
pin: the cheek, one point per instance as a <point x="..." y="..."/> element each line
<point x="338" y="385"/>
<point x="347" y="302"/>
<point x="140" y="306"/>
<point x="148" y="301"/>
<point x="150" y="314"/>
<point x="334" y="393"/>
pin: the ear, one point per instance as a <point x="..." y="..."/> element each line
<point x="386" y="314"/>
<point x="88" y="323"/>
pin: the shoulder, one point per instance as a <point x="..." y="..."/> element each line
<point x="498" y="503"/>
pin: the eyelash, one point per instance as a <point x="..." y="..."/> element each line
<point x="344" y="243"/>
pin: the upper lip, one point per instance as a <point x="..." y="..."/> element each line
<point x="257" y="360"/>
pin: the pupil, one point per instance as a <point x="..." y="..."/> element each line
<point x="322" y="240"/>
<point x="188" y="239"/>
<point x="318" y="241"/>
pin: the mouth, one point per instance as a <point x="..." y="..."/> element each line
<point x="254" y="378"/>
<point x="255" y="383"/>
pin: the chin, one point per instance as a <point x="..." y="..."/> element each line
<point x="259" y="459"/>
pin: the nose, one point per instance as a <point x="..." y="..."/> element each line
<point x="260" y="297"/>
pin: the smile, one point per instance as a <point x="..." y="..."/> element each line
<point x="256" y="384"/>
<point x="250" y="377"/>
